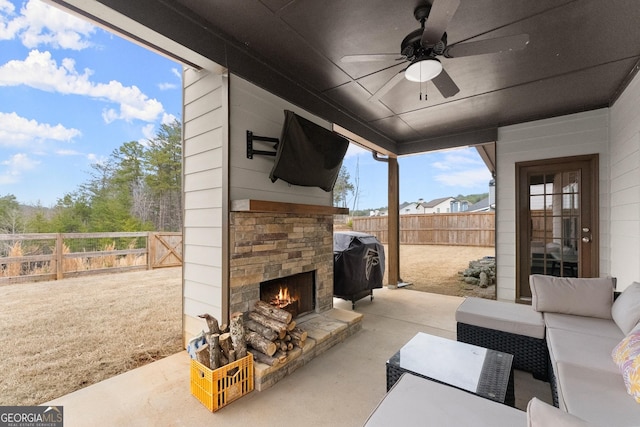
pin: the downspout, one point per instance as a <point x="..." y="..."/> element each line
<point x="393" y="220"/>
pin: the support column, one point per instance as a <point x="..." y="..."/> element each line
<point x="393" y="223"/>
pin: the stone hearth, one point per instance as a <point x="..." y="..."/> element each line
<point x="270" y="240"/>
<point x="325" y="330"/>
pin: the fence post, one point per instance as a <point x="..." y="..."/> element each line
<point x="59" y="263"/>
<point x="149" y="251"/>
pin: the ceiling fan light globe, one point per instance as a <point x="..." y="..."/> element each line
<point x="423" y="70"/>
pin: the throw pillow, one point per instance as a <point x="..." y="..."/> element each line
<point x="627" y="356"/>
<point x="540" y="414"/>
<point x="591" y="297"/>
<point x="625" y="310"/>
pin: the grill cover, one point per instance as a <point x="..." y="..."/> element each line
<point x="308" y="154"/>
<point x="358" y="263"/>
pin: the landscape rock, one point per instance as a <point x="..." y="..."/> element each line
<point x="484" y="280"/>
<point x="471" y="280"/>
<point x="481" y="272"/>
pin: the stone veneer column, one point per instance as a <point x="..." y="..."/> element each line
<point x="266" y="246"/>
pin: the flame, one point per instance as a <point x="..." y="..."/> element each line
<point x="283" y="295"/>
<point x="283" y="298"/>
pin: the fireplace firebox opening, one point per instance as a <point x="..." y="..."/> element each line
<point x="295" y="293"/>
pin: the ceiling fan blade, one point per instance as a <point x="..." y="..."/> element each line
<point x="439" y="17"/>
<point x="372" y="58"/>
<point x="501" y="44"/>
<point x="445" y="84"/>
<point x="387" y="86"/>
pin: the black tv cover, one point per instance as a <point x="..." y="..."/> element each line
<point x="308" y="154"/>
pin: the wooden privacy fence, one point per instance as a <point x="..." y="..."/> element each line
<point x="463" y="229"/>
<point x="53" y="256"/>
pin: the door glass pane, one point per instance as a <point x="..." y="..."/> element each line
<point x="554" y="220"/>
<point x="536" y="185"/>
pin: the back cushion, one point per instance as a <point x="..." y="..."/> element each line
<point x="590" y="297"/>
<point x="626" y="308"/>
<point x="540" y="414"/>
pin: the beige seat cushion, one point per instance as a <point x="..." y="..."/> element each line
<point x="415" y="401"/>
<point x="597" y="396"/>
<point x="517" y="319"/>
<point x="540" y="414"/>
<point x="591" y="297"/>
<point x="585" y="350"/>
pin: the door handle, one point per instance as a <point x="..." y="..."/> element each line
<point x="586" y="239"/>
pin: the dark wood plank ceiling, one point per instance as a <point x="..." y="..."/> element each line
<point x="580" y="55"/>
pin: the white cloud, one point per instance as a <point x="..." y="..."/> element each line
<point x="16" y="131"/>
<point x="6" y="7"/>
<point x="148" y="132"/>
<point x="170" y="86"/>
<point x="8" y="25"/>
<point x="168" y="118"/>
<point x="96" y="159"/>
<point x="466" y="178"/>
<point x="460" y="168"/>
<point x="456" y="159"/>
<point x="355" y="149"/>
<point x="443" y="166"/>
<point x="41" y="24"/>
<point x="14" y="166"/>
<point x="39" y="70"/>
<point x="167" y="86"/>
<point x="68" y="153"/>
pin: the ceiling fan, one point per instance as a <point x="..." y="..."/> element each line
<point x="421" y="47"/>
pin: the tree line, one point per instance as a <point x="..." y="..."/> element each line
<point x="137" y="188"/>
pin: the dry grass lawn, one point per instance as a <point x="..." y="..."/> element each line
<point x="60" y="336"/>
<point x="434" y="268"/>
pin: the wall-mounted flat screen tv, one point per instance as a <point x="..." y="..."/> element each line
<point x="308" y="154"/>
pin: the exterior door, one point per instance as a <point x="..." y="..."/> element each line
<point x="557" y="219"/>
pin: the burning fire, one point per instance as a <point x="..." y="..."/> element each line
<point x="283" y="298"/>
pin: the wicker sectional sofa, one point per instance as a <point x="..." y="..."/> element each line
<point x="584" y="326"/>
<point x="567" y="336"/>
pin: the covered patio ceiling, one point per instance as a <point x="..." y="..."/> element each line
<point x="580" y="55"/>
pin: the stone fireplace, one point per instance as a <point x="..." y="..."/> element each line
<point x="266" y="246"/>
<point x="282" y="245"/>
<point x="295" y="294"/>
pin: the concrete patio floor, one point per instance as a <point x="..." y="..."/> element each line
<point x="339" y="388"/>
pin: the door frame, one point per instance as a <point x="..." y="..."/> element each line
<point x="523" y="171"/>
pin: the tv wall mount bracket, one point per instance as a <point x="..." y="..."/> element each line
<point x="251" y="152"/>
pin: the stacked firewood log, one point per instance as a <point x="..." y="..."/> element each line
<point x="272" y="334"/>
<point x="224" y="343"/>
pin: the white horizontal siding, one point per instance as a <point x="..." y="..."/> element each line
<point x="625" y="186"/>
<point x="202" y="199"/>
<point x="202" y="142"/>
<point x="205" y="128"/>
<point x="201" y="180"/>
<point x="196" y="217"/>
<point x="256" y="110"/>
<point x="571" y="135"/>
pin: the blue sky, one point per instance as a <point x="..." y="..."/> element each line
<point x="71" y="93"/>
<point x="427" y="176"/>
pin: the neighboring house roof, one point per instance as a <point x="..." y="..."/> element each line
<point x="435" y="202"/>
<point x="482" y="205"/>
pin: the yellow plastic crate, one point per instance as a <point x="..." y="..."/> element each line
<point x="217" y="388"/>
